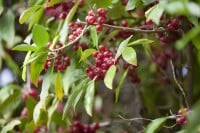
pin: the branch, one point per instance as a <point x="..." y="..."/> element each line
<point x="129" y="29"/>
<point x="178" y="84"/>
<point x="72" y="42"/>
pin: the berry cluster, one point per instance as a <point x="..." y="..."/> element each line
<point x="91" y="18"/>
<point x="162" y="57"/>
<point x="78" y="127"/>
<point x="76" y="30"/>
<point x="59" y="10"/>
<point x="62" y="61"/>
<point x="104" y="59"/>
<point x="182" y="118"/>
<point x="40" y="129"/>
<point x="132" y="72"/>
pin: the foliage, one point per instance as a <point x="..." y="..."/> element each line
<point x="92" y="60"/>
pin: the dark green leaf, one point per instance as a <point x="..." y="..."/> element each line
<point x="94" y="36"/>
<point x="72" y="98"/>
<point x="85" y="54"/>
<point x="130" y="56"/>
<point x="40" y="35"/>
<point x="109" y="77"/>
<point x="64" y="31"/>
<point x="121" y="48"/>
<point x="10" y="126"/>
<point x="25" y="47"/>
<point x="58" y="86"/>
<point x="110" y="36"/>
<point x="120" y="85"/>
<point x="89" y="97"/>
<point x="51" y="110"/>
<point x="155" y="125"/>
<point x="141" y="41"/>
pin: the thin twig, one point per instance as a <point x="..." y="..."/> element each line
<point x="177" y="83"/>
<point x="129" y="29"/>
<point x="72" y="42"/>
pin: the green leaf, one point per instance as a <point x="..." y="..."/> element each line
<point x="94" y="36"/>
<point x="183" y="8"/>
<point x="7" y="24"/>
<point x="28" y="55"/>
<point x="146" y="2"/>
<point x="89" y="97"/>
<point x="52" y="2"/>
<point x="51" y="110"/>
<point x="45" y="87"/>
<point x="27" y="13"/>
<point x="58" y="86"/>
<point x="25" y="47"/>
<point x="85" y="54"/>
<point x="72" y="98"/>
<point x="121" y="81"/>
<point x="180" y="44"/>
<point x="12" y="64"/>
<point x="36" y="68"/>
<point x="10" y="126"/>
<point x="140" y="41"/>
<point x="102" y="3"/>
<point x="1" y="7"/>
<point x="40" y="35"/>
<point x="130" y="56"/>
<point x="10" y="104"/>
<point x="64" y="31"/>
<point x="132" y="4"/>
<point x="121" y="48"/>
<point x="71" y="75"/>
<point x="109" y="77"/>
<point x="36" y="17"/>
<point x="155" y="125"/>
<point x="193" y="119"/>
<point x="196" y="42"/>
<point x="37" y="112"/>
<point x="155" y="13"/>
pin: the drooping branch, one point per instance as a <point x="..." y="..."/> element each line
<point x="129" y="28"/>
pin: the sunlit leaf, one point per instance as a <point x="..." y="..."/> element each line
<point x="89" y="97"/>
<point x="109" y="77"/>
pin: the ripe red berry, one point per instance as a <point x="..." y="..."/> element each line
<point x="101" y="20"/>
<point x="91" y="13"/>
<point x="102" y="48"/>
<point x="124" y="23"/>
<point x="149" y="22"/>
<point x="101" y="12"/>
<point x="99" y="27"/>
<point x="90" y="19"/>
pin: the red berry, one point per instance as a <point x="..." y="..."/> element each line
<point x="124" y="23"/>
<point x="90" y="19"/>
<point x="101" y="12"/>
<point x="91" y="13"/>
<point x="99" y="27"/>
<point x="149" y="22"/>
<point x="101" y="20"/>
<point x="181" y="120"/>
<point x="95" y="54"/>
<point x="102" y="48"/>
